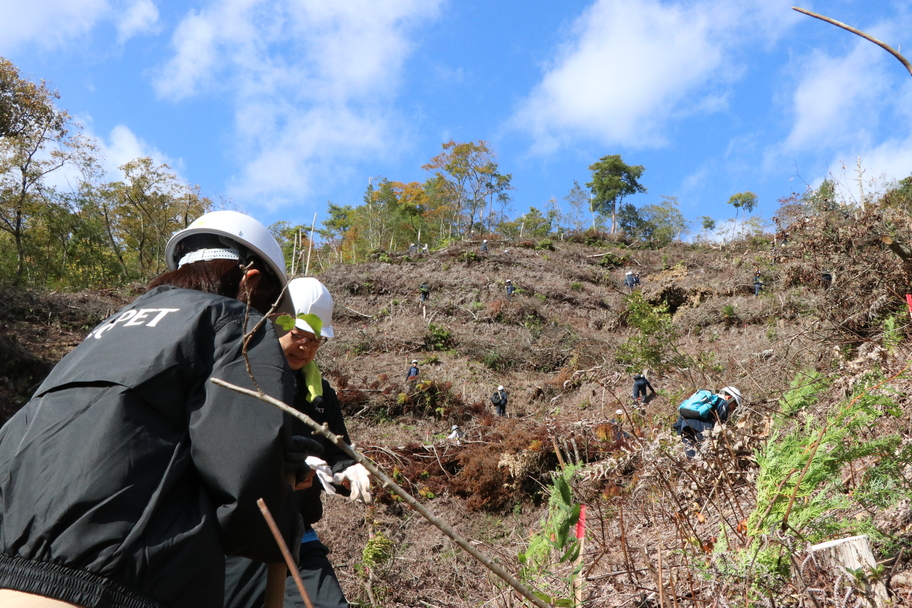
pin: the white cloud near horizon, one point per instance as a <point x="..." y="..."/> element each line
<point x="842" y="107"/>
<point x="629" y="68"/>
<point x="311" y="83"/>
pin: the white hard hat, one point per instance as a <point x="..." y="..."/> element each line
<point x="731" y="390"/>
<point x="628" y="272"/>
<point x="234" y="232"/>
<point x="414" y="360"/>
<point x="500" y="388"/>
<point x="310" y="297"/>
<point x="454" y="427"/>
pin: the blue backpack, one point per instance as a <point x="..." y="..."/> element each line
<point x="700" y="405"/>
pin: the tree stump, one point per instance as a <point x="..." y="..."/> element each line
<point x="852" y="553"/>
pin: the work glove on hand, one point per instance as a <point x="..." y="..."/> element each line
<point x="297" y="450"/>
<point x="358" y="479"/>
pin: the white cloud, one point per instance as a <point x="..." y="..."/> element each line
<point x="138" y="17"/>
<point x="46" y="23"/>
<point x="632" y="66"/>
<point x="312" y="83"/>
<point x="122" y="145"/>
<point x="834" y="96"/>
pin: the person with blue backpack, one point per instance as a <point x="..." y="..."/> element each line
<point x="699" y="413"/>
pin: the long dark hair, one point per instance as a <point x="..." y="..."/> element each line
<point x="223" y="277"/>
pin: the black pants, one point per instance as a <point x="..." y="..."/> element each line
<point x="245" y="581"/>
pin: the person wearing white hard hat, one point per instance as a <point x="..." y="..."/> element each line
<point x="499" y="399"/>
<point x="336" y="472"/>
<point x="129" y="475"/>
<point x="692" y="423"/>
<point x="630" y="281"/>
<point x="411" y="376"/>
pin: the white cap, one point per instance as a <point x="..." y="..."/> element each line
<point x="628" y="272"/>
<point x="454" y="427"/>
<point x="500" y="388"/>
<point x="310" y="297"/>
<point x="414" y="360"/>
<point x="731" y="390"/>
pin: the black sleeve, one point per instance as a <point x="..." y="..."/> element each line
<point x="237" y="443"/>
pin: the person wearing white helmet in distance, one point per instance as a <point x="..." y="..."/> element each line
<point x="691" y="429"/>
<point x="245" y="585"/>
<point x="129" y="475"/>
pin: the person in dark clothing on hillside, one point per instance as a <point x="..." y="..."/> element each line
<point x="640" y="386"/>
<point x="758" y="283"/>
<point x="510" y="289"/>
<point x="499" y="399"/>
<point x="425" y="291"/>
<point x="411" y="376"/>
<point x="629" y="280"/>
<point x="245" y="581"/>
<point x="130" y="475"/>
<point x="484" y="246"/>
<point x="636" y="279"/>
<point x="691" y="429"/>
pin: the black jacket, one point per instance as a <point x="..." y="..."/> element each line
<point x="129" y="476"/>
<point x="325" y="409"/>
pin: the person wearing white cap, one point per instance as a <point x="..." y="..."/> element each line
<point x="130" y="475"/>
<point x="411" y="376"/>
<point x="337" y="473"/>
<point x="630" y="280"/>
<point x="499" y="399"/>
<point x="691" y="427"/>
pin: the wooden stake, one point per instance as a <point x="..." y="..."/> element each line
<point x="276" y="599"/>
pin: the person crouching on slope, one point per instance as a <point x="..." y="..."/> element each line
<point x="129" y="476"/>
<point x="245" y="585"/>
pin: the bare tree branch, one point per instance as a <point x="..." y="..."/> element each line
<point x="867" y="37"/>
<point x="388" y="483"/>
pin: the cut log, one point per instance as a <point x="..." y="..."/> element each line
<point x="852" y="553"/>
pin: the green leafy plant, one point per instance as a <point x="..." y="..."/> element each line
<point x="287" y="322"/>
<point x="892" y="335"/>
<point x="438" y="337"/>
<point x="655" y="345"/>
<point x="548" y="562"/>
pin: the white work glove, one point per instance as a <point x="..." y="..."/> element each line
<point x="358" y="479"/>
<point x="324" y="473"/>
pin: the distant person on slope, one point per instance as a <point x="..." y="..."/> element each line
<point x="245" y="584"/>
<point x="758" y="283"/>
<point x="499" y="399"/>
<point x="700" y="412"/>
<point x="484" y="246"/>
<point x="411" y="376"/>
<point x="640" y="386"/>
<point x="510" y="289"/>
<point x="425" y="291"/>
<point x="629" y="280"/>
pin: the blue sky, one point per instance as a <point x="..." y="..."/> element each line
<point x="282" y="105"/>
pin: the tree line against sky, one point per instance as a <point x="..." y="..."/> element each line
<point x="99" y="233"/>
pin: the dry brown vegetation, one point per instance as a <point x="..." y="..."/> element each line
<point x="662" y="529"/>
